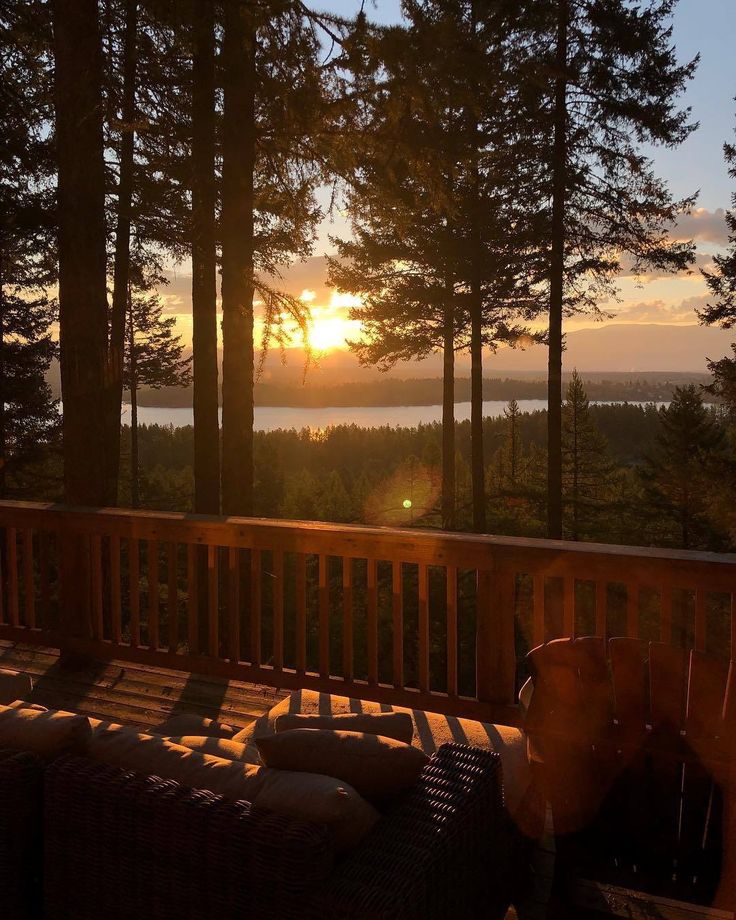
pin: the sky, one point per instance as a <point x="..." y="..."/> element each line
<point x="707" y="27"/>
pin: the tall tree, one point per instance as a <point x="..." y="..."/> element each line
<point x="238" y="242"/>
<point x="586" y="464"/>
<point x="614" y="82"/>
<point x="83" y="310"/>
<point x="203" y="247"/>
<point x="28" y="413"/>
<point x="154" y="357"/>
<point x="678" y="473"/>
<point x="121" y="262"/>
<point x="722" y="286"/>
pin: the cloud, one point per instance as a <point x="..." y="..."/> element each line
<point x="659" y="311"/>
<point x="703" y="225"/>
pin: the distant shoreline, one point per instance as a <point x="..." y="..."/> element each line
<point x="391" y="392"/>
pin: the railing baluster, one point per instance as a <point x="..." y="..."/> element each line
<point x="152" y="573"/>
<point x="213" y="602"/>
<point x="397" y="617"/>
<point x="665" y="615"/>
<point x="568" y="606"/>
<point x="29" y="583"/>
<point x="233" y="602"/>
<point x="495" y="640"/>
<point x="372" y="620"/>
<point x="423" y="628"/>
<point x="11" y="538"/>
<point x="732" y="613"/>
<point x="95" y="549"/>
<point x="347" y="618"/>
<point x="700" y="620"/>
<point x="278" y="610"/>
<point x="116" y="627"/>
<point x="172" y="601"/>
<point x="192" y="599"/>
<point x="134" y="589"/>
<point x="451" y="596"/>
<point x="301" y="612"/>
<point x="43" y="574"/>
<point x="601" y="608"/>
<point x="255" y="607"/>
<point x="632" y="610"/>
<point x="323" y="591"/>
<point x="539" y="632"/>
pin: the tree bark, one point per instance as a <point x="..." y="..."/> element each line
<point x="82" y="293"/>
<point x="121" y="270"/>
<point x="238" y="160"/>
<point x="3" y="434"/>
<point x="82" y="282"/>
<point x="557" y="269"/>
<point x="134" y="461"/>
<point x="204" y="283"/>
<point x="448" y="409"/>
<point x="476" y="404"/>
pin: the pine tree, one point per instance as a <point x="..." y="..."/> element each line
<point x="679" y="472"/>
<point x="154" y="357"/>
<point x="586" y="465"/>
<point x="722" y="285"/>
<point x="28" y="413"/>
<point x="614" y="84"/>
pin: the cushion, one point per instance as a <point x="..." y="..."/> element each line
<point x="14" y="686"/>
<point x="377" y="767"/>
<point x="44" y="733"/>
<point x="188" y="724"/>
<point x="431" y="729"/>
<point x="396" y="725"/>
<point x="320" y="799"/>
<point x="24" y="704"/>
<point x="220" y="747"/>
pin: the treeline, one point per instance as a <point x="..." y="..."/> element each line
<point x="632" y="474"/>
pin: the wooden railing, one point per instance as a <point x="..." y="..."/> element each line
<point x="434" y="620"/>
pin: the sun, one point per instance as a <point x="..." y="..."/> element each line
<point x="331" y="327"/>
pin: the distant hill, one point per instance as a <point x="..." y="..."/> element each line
<point x="629" y="351"/>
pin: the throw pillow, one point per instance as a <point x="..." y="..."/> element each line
<point x="220" y="747"/>
<point x="396" y="725"/>
<point x="47" y="733"/>
<point x="377" y="767"/>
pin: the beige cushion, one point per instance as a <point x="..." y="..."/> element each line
<point x="396" y="725"/>
<point x="14" y="685"/>
<point x="45" y="733"/>
<point x="431" y="729"/>
<point x="377" y="767"/>
<point x="320" y="799"/>
<point x="220" y="747"/>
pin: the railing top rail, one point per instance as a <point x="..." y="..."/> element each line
<point x="431" y="546"/>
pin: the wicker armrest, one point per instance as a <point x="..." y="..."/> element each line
<point x="20" y="834"/>
<point x="121" y="845"/>
<point x="442" y="852"/>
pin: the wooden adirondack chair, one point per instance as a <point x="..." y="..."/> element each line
<point x="634" y="743"/>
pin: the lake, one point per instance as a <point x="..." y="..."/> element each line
<point x="270" y="418"/>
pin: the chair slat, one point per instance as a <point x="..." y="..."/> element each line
<point x="423" y="628"/>
<point x="192" y="599"/>
<point x="29" y="581"/>
<point x="451" y="607"/>
<point x="301" y="612"/>
<point x="134" y="590"/>
<point x="153" y="612"/>
<point x="278" y="610"/>
<point x="397" y="617"/>
<point x="213" y="601"/>
<point x="95" y="547"/>
<point x="601" y="608"/>
<point x="630" y="682"/>
<point x="372" y="620"/>
<point x="11" y="544"/>
<point x="323" y="594"/>
<point x="44" y="579"/>
<point x="706" y="692"/>
<point x="255" y="607"/>
<point x="116" y="626"/>
<point x="539" y="633"/>
<point x="233" y="602"/>
<point x="667" y="686"/>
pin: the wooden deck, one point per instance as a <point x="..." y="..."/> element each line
<point x="135" y="694"/>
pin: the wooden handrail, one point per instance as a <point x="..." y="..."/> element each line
<point x="435" y="619"/>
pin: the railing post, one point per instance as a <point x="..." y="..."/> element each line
<point x="75" y="596"/>
<point x="495" y="636"/>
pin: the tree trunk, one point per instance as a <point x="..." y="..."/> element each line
<point x="82" y="292"/>
<point x="134" y="462"/>
<point x="121" y="271"/>
<point x="448" y="410"/>
<point x="3" y="435"/>
<point x="476" y="405"/>
<point x="238" y="159"/>
<point x="557" y="268"/>
<point x="204" y="284"/>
